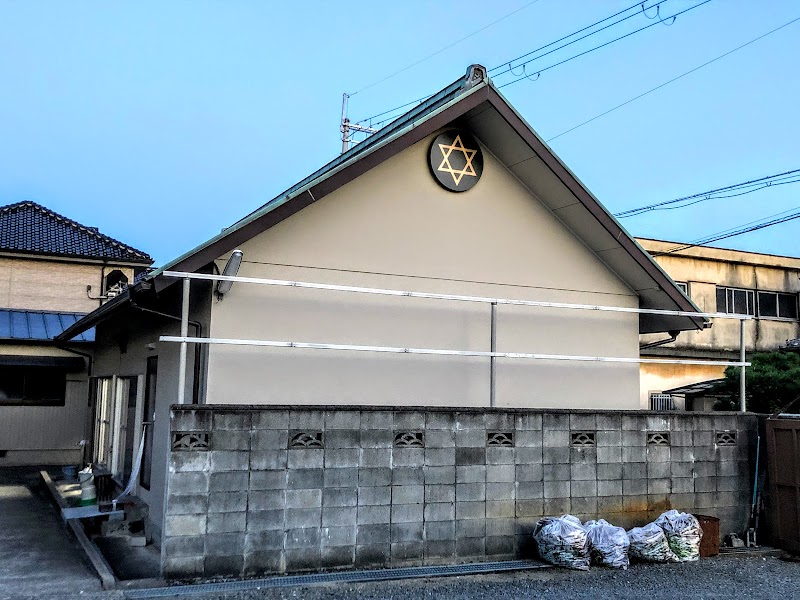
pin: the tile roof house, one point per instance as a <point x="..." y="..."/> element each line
<point x="53" y="271"/>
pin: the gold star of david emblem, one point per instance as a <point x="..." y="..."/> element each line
<point x="446" y="167"/>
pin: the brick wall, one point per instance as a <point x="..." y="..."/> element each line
<point x="255" y="490"/>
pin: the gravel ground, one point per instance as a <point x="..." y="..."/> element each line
<point x="729" y="577"/>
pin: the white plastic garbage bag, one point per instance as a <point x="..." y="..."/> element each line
<point x="562" y="541"/>
<point x="683" y="534"/>
<point x="649" y="544"/>
<point x="608" y="544"/>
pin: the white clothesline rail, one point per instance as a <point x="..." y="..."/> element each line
<point x="454" y="297"/>
<point x="184" y="339"/>
<point x="443" y="352"/>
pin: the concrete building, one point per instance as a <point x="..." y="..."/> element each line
<point x="459" y="197"/>
<point x="718" y="280"/>
<point x="52" y="272"/>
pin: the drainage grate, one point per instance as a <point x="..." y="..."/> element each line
<point x="341" y="577"/>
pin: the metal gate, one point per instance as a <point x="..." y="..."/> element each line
<point x="783" y="454"/>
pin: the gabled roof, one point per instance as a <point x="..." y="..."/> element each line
<point x="37" y="325"/>
<point x="475" y="104"/>
<point x="29" y="228"/>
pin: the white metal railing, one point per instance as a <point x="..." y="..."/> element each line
<point x="184" y="338"/>
<point x="661" y="402"/>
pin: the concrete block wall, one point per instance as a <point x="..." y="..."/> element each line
<point x="255" y="490"/>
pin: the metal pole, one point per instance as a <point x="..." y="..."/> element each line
<point x="742" y="355"/>
<point x="184" y="334"/>
<point x="345" y="128"/>
<point x="493" y="349"/>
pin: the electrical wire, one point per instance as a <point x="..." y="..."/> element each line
<point x="622" y="37"/>
<point x="666" y="83"/>
<point x="466" y="37"/>
<point x="762" y="223"/>
<point x="757" y="184"/>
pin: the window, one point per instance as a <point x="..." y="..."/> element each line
<point x="736" y="301"/>
<point x="683" y="286"/>
<point x="32" y="386"/>
<point x="778" y="305"/>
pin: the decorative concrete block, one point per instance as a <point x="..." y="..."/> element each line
<point x="374" y="496"/>
<point x="407" y="513"/>
<point x="262" y="460"/>
<point x="342" y="457"/>
<point x="408" y="476"/>
<point x="304" y="518"/>
<point x="227" y="502"/>
<point x="304" y="479"/>
<point x="188" y="483"/>
<point x="341" y="496"/>
<point x="440" y="475"/>
<point x="227" y="522"/>
<point x="269" y="439"/>
<point x="378" y="533"/>
<point x="265" y="520"/>
<point x="266" y="480"/>
<point x="408" y="494"/>
<point x="346" y="477"/>
<point x="270" y="419"/>
<point x="234" y="420"/>
<point x="500" y="473"/>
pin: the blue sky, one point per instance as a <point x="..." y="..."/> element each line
<point x="163" y="122"/>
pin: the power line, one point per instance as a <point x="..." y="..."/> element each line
<point x="666" y="83"/>
<point x="750" y="186"/>
<point x="466" y="37"/>
<point x="763" y="223"/>
<point x="622" y="37"/>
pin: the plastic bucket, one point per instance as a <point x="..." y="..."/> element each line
<point x="709" y="545"/>
<point x="70" y="472"/>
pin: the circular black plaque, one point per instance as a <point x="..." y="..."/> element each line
<point x="456" y="160"/>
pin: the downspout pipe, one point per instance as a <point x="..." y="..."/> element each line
<point x="197" y="350"/>
<point x="673" y="335"/>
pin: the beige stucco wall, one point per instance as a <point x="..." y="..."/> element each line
<point x="44" y="434"/>
<point x="394" y="227"/>
<point x="42" y="284"/>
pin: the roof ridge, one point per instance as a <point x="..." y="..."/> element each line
<point x="93" y="231"/>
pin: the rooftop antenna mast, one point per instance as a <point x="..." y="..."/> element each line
<point x="347" y="127"/>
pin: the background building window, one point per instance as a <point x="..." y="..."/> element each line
<point x="684" y="287"/>
<point x="32" y="386"/>
<point x="775" y="304"/>
<point x="736" y="301"/>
